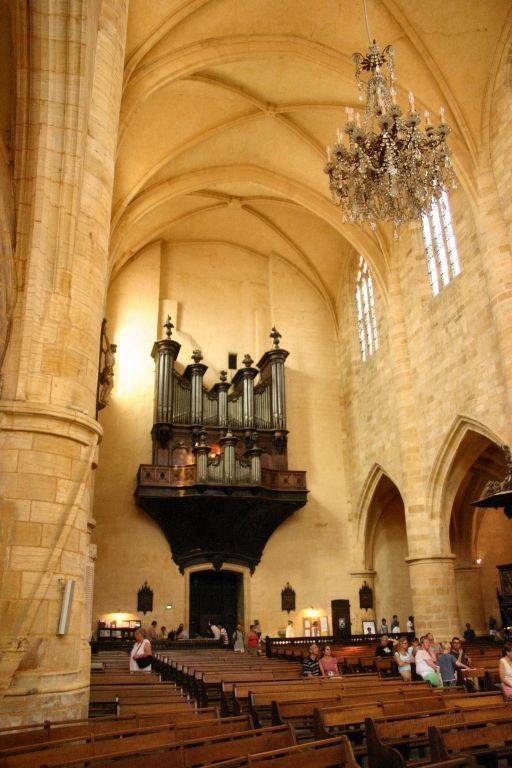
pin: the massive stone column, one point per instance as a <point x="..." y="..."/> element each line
<point x="434" y="595"/>
<point x="69" y="62"/>
<point x="468" y="579"/>
<point x="431" y="571"/>
<point x="496" y="251"/>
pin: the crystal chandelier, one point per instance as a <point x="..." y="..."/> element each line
<point x="385" y="167"/>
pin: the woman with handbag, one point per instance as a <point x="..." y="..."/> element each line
<point x="140" y="657"/>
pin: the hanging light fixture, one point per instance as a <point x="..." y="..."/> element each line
<point x="383" y="166"/>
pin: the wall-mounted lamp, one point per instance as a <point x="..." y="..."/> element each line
<point x="168" y="607"/>
<point x="478" y="561"/>
<point x="67" y="587"/>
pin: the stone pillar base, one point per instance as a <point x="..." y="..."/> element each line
<point x="469" y="595"/>
<point x="434" y="596"/>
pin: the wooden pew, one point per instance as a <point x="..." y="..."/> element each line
<point x="155" y="751"/>
<point x="337" y="686"/>
<point x="389" y="741"/>
<point x="299" y="714"/>
<point x="387" y="736"/>
<point x="125" y="678"/>
<point x="482" y="699"/>
<point x="48" y="731"/>
<point x="177" y="731"/>
<point x="349" y="720"/>
<point x="331" y="753"/>
<point x="487" y="741"/>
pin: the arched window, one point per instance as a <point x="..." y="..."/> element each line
<point x="365" y="305"/>
<point x="440" y="246"/>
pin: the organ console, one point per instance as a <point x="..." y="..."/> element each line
<point x="219" y="483"/>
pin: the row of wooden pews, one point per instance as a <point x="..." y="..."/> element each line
<point x="361" y="658"/>
<point x="268" y="718"/>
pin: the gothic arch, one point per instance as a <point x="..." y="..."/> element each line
<point x="378" y="486"/>
<point x="466" y="440"/>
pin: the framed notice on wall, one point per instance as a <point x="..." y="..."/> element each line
<point x="316" y="627"/>
<point x="368" y="628"/>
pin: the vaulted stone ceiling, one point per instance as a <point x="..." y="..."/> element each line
<point x="228" y="106"/>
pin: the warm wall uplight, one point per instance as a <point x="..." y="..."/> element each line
<point x="478" y="561"/>
<point x="312" y="612"/>
<point x="133" y="368"/>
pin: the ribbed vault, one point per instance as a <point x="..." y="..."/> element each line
<point x="228" y="107"/>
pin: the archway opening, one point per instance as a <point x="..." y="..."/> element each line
<point x="480" y="538"/>
<point x="386" y="553"/>
<point x="215" y="596"/>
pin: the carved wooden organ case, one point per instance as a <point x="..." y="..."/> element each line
<point x="219" y="484"/>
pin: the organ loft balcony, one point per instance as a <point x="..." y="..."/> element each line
<point x="219" y="484"/>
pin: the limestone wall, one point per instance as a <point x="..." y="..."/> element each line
<point x="224" y="304"/>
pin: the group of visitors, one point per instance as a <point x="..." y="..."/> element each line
<point x="395" y="626"/>
<point x="436" y="662"/>
<point x="173" y="634"/>
<point x="240" y="644"/>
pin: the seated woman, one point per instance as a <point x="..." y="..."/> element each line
<point x="328" y="664"/>
<point x="426" y="667"/>
<point x="505" y="669"/>
<point x="403" y="658"/>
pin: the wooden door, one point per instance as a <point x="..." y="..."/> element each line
<point x="341" y="624"/>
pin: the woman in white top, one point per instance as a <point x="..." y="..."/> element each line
<point x="141" y="649"/>
<point x="425" y="664"/>
<point x="506" y="671"/>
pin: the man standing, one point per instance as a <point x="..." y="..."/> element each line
<point x="152" y="631"/>
<point x="215" y="631"/>
<point x="469" y="633"/>
<point x="290" y="632"/>
<point x="223" y="635"/>
<point x="383" y="629"/>
<point x="394" y="622"/>
<point x="310" y="665"/>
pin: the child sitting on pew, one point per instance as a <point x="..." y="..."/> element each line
<point x="447" y="665"/>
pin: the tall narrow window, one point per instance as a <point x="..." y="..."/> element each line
<point x="440" y="246"/>
<point x="365" y="305"/>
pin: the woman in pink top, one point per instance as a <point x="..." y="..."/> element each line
<point x="328" y="664"/>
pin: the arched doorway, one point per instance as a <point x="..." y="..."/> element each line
<point x="386" y="550"/>
<point x="480" y="538"/>
<point x="215" y="596"/>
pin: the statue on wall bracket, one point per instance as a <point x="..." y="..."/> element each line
<point x="106" y="376"/>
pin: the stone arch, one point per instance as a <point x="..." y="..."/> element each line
<point x="384" y="544"/>
<point x="365" y="516"/>
<point x="465" y="442"/>
<point x="470" y="457"/>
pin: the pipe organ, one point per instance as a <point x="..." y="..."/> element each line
<point x="219" y="483"/>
